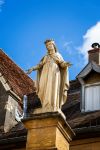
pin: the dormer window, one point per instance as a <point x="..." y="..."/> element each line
<point x="92" y="97"/>
<point x="90" y="83"/>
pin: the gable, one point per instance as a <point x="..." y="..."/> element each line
<point x="88" y="68"/>
<point x="8" y="105"/>
<point x="92" y="77"/>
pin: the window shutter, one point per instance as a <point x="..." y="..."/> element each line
<point x="92" y="98"/>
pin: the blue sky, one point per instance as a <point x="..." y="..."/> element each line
<point x="26" y="24"/>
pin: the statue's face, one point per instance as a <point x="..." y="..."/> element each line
<point x="50" y="47"/>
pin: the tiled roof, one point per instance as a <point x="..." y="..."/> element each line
<point x="17" y="79"/>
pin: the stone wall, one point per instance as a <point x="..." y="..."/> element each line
<point x="3" y="100"/>
<point x="10" y="120"/>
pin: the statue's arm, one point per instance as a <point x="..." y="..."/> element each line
<point x="37" y="67"/>
<point x="64" y="64"/>
<point x="59" y="59"/>
<point x="32" y="69"/>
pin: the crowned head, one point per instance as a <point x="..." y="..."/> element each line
<point x="50" y="45"/>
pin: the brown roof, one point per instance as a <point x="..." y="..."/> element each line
<point x="15" y="139"/>
<point x="85" y="119"/>
<point x="19" y="82"/>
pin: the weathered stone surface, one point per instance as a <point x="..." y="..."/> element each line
<point x="48" y="131"/>
<point x="10" y="120"/>
<point x="3" y="100"/>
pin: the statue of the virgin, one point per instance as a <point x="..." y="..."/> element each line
<point x="52" y="78"/>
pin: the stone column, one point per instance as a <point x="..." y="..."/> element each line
<point x="48" y="131"/>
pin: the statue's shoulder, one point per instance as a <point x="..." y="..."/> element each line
<point x="59" y="55"/>
<point x="43" y="58"/>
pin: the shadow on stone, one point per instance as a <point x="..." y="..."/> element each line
<point x="33" y="102"/>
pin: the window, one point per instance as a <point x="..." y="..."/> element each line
<point x="92" y="97"/>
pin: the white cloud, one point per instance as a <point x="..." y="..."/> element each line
<point x="67" y="43"/>
<point x="92" y="35"/>
<point x="1" y="4"/>
<point x="67" y="46"/>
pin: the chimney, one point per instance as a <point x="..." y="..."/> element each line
<point x="94" y="54"/>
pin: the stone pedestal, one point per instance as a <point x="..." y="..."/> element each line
<point x="48" y="131"/>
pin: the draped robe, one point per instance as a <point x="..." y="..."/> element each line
<point x="52" y="81"/>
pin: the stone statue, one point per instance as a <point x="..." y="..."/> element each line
<point x="52" y="78"/>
